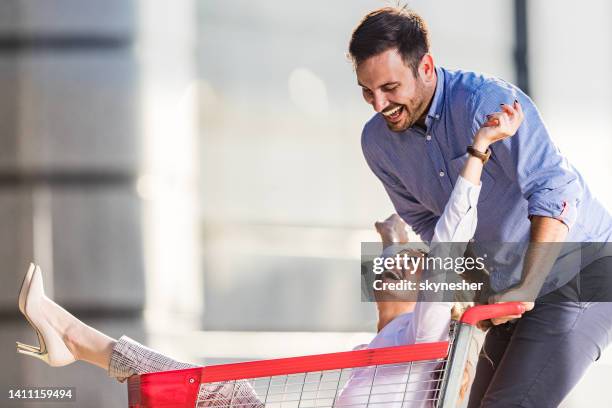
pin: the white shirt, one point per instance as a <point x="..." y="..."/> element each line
<point x="429" y="322"/>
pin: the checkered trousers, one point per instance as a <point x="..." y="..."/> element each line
<point x="130" y="358"/>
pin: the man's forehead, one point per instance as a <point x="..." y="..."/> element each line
<point x="378" y="80"/>
<point x="380" y="69"/>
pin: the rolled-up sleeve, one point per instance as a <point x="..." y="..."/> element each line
<point x="545" y="177"/>
<point x="420" y="219"/>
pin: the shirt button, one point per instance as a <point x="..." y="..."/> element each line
<point x="441" y="173"/>
<point x="428" y="137"/>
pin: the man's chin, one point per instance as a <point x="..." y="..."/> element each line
<point x="398" y="127"/>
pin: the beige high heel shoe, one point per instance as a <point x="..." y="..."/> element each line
<point x="52" y="349"/>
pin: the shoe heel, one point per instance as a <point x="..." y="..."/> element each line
<point x="24" y="346"/>
<point x="28" y="351"/>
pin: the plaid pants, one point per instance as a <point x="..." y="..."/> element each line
<point x="130" y="358"/>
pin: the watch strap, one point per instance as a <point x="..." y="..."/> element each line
<point x="484" y="156"/>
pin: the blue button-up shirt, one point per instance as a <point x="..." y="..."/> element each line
<point x="527" y="174"/>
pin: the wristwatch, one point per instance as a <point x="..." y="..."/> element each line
<point x="484" y="156"/>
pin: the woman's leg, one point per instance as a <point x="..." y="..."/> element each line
<point x="121" y="358"/>
<point x="84" y="342"/>
<point x="125" y="357"/>
<point x="129" y="357"/>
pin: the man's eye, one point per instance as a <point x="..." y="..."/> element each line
<point x="366" y="91"/>
<point x="390" y="88"/>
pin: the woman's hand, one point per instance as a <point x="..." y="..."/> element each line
<point x="392" y="230"/>
<point x="500" y="125"/>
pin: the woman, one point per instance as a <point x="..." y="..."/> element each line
<point x="64" y="339"/>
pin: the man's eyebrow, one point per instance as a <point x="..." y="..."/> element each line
<point x="383" y="85"/>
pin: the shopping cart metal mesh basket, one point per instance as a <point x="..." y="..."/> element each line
<point x="419" y="375"/>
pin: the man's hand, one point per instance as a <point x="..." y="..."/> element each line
<point x="515" y="294"/>
<point x="485" y="325"/>
<point x="502" y="298"/>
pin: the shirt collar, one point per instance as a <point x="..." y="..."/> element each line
<point x="435" y="110"/>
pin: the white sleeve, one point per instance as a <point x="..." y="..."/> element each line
<point x="456" y="224"/>
<point x="458" y="221"/>
<point x="431" y="322"/>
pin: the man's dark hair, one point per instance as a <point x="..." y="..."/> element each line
<point x="390" y="27"/>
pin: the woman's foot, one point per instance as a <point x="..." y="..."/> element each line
<point x="62" y="337"/>
<point x="45" y="316"/>
<point x="392" y="230"/>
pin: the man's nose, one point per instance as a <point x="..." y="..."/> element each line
<point x="379" y="102"/>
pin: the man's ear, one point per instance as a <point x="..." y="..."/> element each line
<point x="427" y="70"/>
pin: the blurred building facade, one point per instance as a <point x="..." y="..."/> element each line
<point x="200" y="161"/>
<point x="96" y="175"/>
<point x="70" y="152"/>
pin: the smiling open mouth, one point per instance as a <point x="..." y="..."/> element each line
<point x="393" y="114"/>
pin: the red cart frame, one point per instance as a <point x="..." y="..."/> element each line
<point x="319" y="380"/>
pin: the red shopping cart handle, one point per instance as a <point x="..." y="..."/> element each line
<point x="483" y="312"/>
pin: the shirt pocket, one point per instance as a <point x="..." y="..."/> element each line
<point x="487" y="181"/>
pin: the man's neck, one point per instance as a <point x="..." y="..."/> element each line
<point x="421" y="121"/>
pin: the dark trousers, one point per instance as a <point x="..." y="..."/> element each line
<point x="535" y="361"/>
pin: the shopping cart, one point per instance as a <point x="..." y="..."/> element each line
<point x="419" y="375"/>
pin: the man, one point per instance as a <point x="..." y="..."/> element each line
<point x="416" y="144"/>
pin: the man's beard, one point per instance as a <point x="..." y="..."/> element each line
<point x="407" y="122"/>
<point x="411" y="116"/>
<point x="402" y="125"/>
<point x="412" y="112"/>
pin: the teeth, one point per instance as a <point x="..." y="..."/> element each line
<point x="392" y="111"/>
